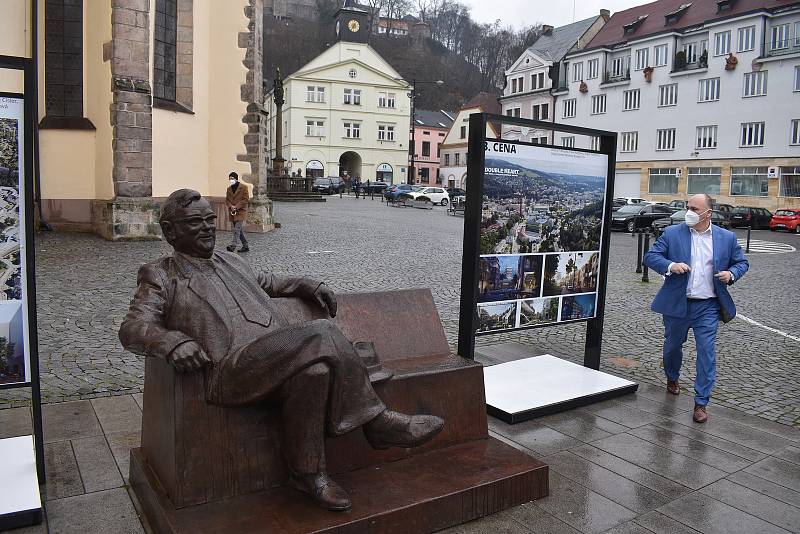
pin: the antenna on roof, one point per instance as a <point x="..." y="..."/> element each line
<point x="573" y="10"/>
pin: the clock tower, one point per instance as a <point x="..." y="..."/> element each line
<point x="351" y="23"/>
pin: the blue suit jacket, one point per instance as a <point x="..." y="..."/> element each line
<point x="675" y="245"/>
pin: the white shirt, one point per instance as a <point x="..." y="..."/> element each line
<point x="701" y="277"/>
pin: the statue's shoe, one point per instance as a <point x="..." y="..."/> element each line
<point x="394" y="429"/>
<point x="322" y="489"/>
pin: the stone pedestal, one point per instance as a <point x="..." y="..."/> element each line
<point x="124" y="218"/>
<point x="259" y="214"/>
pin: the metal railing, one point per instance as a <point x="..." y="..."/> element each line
<point x="289" y="183"/>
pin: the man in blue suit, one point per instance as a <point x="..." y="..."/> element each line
<point x="699" y="262"/>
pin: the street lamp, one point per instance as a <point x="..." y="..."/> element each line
<point x="412" y="95"/>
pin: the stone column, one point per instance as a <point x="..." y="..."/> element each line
<point x="252" y="92"/>
<point x="132" y="214"/>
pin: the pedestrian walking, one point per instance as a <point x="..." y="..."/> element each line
<point x="357" y="186"/>
<point x="699" y="261"/>
<point x="237" y="199"/>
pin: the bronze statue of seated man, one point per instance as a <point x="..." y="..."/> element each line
<point x="204" y="310"/>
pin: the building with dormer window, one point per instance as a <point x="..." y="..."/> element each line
<point x="705" y="96"/>
<point x="346" y="112"/>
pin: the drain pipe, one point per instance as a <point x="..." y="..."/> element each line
<point x="37" y="178"/>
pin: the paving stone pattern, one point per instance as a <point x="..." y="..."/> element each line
<point x="85" y="285"/>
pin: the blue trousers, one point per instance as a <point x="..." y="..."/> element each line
<point x="703" y="318"/>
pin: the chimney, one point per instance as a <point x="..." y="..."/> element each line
<point x="605" y="13"/>
<point x="547" y="29"/>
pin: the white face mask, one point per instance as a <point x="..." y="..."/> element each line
<point x="233" y="182"/>
<point x="692" y="218"/>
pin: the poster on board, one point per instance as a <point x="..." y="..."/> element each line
<point x="14" y="356"/>
<point x="540" y="235"/>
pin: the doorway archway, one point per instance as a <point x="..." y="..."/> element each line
<point x="350" y="163"/>
<point x="315" y="169"/>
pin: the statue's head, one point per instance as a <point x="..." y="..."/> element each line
<point x="189" y="223"/>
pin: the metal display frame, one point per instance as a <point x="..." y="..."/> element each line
<point x="30" y="168"/>
<point x="468" y="316"/>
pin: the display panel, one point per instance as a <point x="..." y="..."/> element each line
<point x="540" y="235"/>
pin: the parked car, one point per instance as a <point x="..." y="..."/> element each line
<point x="454" y="192"/>
<point x="436" y="194"/>
<point x="396" y="190"/>
<point x="617" y="203"/>
<point x="632" y="200"/>
<point x="634" y="217"/>
<point x="328" y="186"/>
<point x="677" y="205"/>
<point x="375" y="187"/>
<point x="754" y="217"/>
<point x="678" y="217"/>
<point x="786" y="220"/>
<point x="725" y="209"/>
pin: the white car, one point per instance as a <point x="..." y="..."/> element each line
<point x="632" y="200"/>
<point x="436" y="194"/>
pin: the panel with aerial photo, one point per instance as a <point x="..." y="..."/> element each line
<point x="10" y="275"/>
<point x="500" y="316"/>
<point x="541" y="199"/>
<point x="538" y="311"/>
<point x="570" y="272"/>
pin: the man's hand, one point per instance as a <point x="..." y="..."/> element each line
<point x="326" y="299"/>
<point x="679" y="268"/>
<point x="724" y="276"/>
<point x="188" y="357"/>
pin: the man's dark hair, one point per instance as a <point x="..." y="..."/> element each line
<point x="180" y="199"/>
<point x="233" y="175"/>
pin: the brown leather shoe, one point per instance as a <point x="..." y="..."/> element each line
<point x="700" y="414"/>
<point x="395" y="429"/>
<point x="322" y="489"/>
<point x="673" y="387"/>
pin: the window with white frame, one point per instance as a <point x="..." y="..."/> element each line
<point x="706" y="137"/>
<point x="513" y="112"/>
<point x="749" y="181"/>
<point x="568" y="141"/>
<point x="385" y="132"/>
<point x="517" y="84"/>
<point x="386" y="100"/>
<point x="577" y="71"/>
<point x="668" y="95"/>
<point x="618" y="67"/>
<point x="598" y="104"/>
<point x="747" y="39"/>
<point x="703" y="180"/>
<point x="709" y="90"/>
<point x="722" y="43"/>
<point x="592" y="69"/>
<point x="797" y="33"/>
<point x="755" y="83"/>
<point x="752" y="134"/>
<point x="790" y="182"/>
<point x="539" y="140"/>
<point x="630" y="142"/>
<point x="458" y="158"/>
<point x="797" y="78"/>
<point x="540" y="112"/>
<point x="779" y="37"/>
<point x="352" y="130"/>
<point x="663" y="181"/>
<point x="665" y="139"/>
<point x="315" y="94"/>
<point x="642" y="58"/>
<point x="794" y="137"/>
<point x="631" y="99"/>
<point x="661" y="53"/>
<point x="690" y="49"/>
<point x="595" y="143"/>
<point x="352" y="97"/>
<point x="315" y="128"/>
<point x="537" y="81"/>
<point x="570" y="106"/>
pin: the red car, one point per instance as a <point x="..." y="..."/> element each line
<point x="785" y="220"/>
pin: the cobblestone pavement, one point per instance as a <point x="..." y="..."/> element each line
<point x="85" y="285"/>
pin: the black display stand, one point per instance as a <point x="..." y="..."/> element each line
<point x="534" y="375"/>
<point x="23" y="456"/>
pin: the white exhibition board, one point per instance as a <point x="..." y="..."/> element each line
<point x="19" y="486"/>
<point x="544" y="381"/>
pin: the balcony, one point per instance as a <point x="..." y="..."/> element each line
<point x="780" y="48"/>
<point x="608" y="78"/>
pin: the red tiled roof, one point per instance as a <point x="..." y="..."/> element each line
<point x="486" y="101"/>
<point x="699" y="12"/>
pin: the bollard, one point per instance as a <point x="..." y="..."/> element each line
<point x="747" y="250"/>
<point x="372" y="194"/>
<point x="340" y="191"/>
<point x="639" y="254"/>
<point x="645" y="270"/>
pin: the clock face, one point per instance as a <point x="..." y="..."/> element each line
<point x="353" y="26"/>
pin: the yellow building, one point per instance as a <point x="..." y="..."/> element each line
<point x="138" y="98"/>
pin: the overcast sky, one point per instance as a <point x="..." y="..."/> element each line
<point x="520" y="13"/>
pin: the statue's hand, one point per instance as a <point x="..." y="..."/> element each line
<point x="326" y="299"/>
<point x="188" y="357"/>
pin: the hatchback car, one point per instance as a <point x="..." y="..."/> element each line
<point x="785" y="220"/>
<point x="634" y="217"/>
<point x="327" y="186"/>
<point x="454" y="192"/>
<point x="678" y="217"/>
<point x="677" y="205"/>
<point x="395" y="191"/>
<point x="436" y="194"/>
<point x="753" y="217"/>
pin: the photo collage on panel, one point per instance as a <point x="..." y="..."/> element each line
<point x="541" y="224"/>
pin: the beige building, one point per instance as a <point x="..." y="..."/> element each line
<point x="138" y="98"/>
<point x="346" y="112"/>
